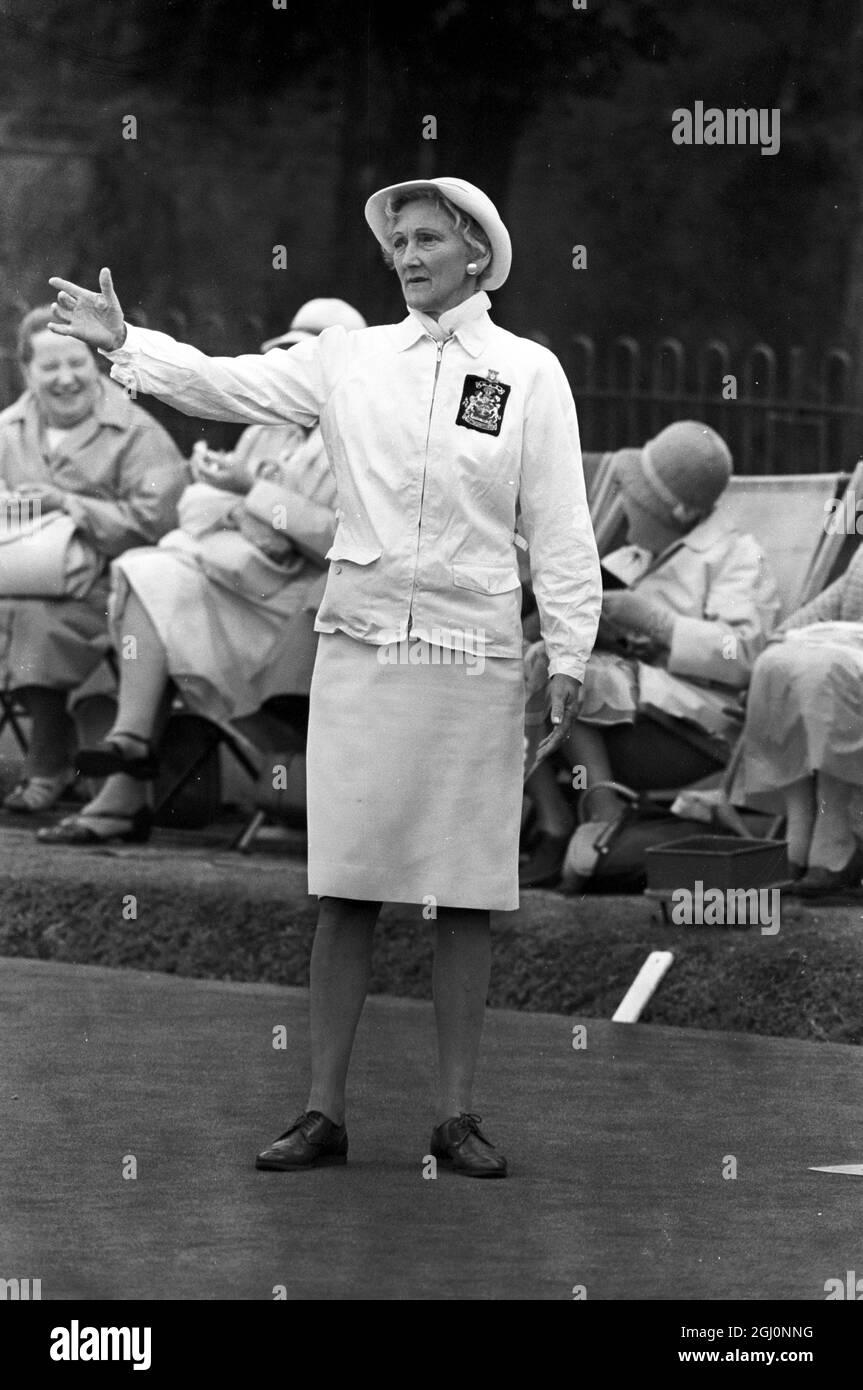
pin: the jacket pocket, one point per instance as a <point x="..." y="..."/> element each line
<point x="486" y="579"/>
<point x="343" y="548"/>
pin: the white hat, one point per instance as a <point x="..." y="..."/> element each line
<point x="313" y="318"/>
<point x="471" y="200"/>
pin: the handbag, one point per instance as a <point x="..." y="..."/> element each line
<point x="615" y="861"/>
<point x="44" y="556"/>
<point x="227" y="555"/>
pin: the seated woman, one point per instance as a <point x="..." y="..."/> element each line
<point x="74" y="442"/>
<point x="803" y="737"/>
<point x="677" y="643"/>
<point x="210" y="608"/>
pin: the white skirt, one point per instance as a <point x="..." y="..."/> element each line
<point x="414" y="764"/>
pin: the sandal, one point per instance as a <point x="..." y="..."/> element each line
<point x="36" y="794"/>
<point x="108" y="758"/>
<point x="74" y="830"/>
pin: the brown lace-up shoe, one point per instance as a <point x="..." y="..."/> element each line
<point x="310" y="1142"/>
<point x="459" y="1144"/>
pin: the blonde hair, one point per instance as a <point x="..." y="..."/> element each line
<point x="472" y="233"/>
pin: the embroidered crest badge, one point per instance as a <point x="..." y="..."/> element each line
<point x="483" y="401"/>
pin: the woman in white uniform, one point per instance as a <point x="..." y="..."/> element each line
<point x="444" y="433"/>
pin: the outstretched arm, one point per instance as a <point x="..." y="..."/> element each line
<point x="93" y="316"/>
<point x="262" y="389"/>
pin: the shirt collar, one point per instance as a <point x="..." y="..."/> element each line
<point x="708" y="531"/>
<point x="468" y="321"/>
<point x="701" y="537"/>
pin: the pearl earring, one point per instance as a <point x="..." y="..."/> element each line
<point x="471" y="267"/>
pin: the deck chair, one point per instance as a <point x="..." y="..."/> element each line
<point x="834" y="552"/>
<point x="803" y="557"/>
<point x="829" y="558"/>
<point x="187" y="791"/>
<point x="291" y="711"/>
<point x="603" y="499"/>
<point x="787" y="516"/>
<point x="594" y="467"/>
<point x="287" y="806"/>
<point x="11" y="714"/>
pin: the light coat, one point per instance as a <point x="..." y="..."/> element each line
<point x="725" y="605"/>
<point x="120" y="469"/>
<point x="121" y="475"/>
<point x="725" y="599"/>
<point x="235" y="623"/>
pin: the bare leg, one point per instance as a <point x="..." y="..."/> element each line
<point x="800" y="819"/>
<point x="339" y="981"/>
<point x="93" y="718"/>
<point x="121" y="796"/>
<point x="52" y="733"/>
<point x="462" y="968"/>
<point x="554" y="815"/>
<point x="586" y="748"/>
<point x="832" y="840"/>
<point x="143" y="675"/>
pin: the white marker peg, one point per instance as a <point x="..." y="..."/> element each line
<point x="641" y="990"/>
<point x="851" y="1170"/>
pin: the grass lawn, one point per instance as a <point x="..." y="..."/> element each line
<point x="203" y="911"/>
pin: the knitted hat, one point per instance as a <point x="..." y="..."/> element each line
<point x="678" y="476"/>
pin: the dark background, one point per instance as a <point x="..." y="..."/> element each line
<point x="259" y="127"/>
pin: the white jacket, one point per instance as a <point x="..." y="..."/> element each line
<point x="436" y="448"/>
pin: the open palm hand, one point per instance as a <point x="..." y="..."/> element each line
<point x="93" y="316"/>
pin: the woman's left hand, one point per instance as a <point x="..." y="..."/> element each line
<point x="631" y="612"/>
<point x="563" y="693"/>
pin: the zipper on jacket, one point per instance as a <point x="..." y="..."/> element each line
<point x="440" y="345"/>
